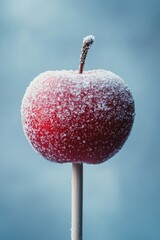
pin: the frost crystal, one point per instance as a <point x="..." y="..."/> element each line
<point x="88" y="39"/>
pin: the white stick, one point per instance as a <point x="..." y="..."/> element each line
<point x="77" y="201"/>
<point x="77" y="168"/>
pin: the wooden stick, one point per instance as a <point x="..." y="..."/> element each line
<point x="77" y="201"/>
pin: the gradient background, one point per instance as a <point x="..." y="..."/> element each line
<point x="122" y="195"/>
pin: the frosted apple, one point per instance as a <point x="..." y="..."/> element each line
<point x="70" y="116"/>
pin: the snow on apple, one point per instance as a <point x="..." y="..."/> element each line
<point x="81" y="118"/>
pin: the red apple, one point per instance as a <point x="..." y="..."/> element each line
<point x="81" y="118"/>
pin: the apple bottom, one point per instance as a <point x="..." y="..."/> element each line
<point x="93" y="142"/>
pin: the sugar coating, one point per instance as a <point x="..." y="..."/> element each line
<point x="72" y="117"/>
<point x="89" y="38"/>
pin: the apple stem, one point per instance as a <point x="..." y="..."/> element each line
<point x="77" y="201"/>
<point x="87" y="42"/>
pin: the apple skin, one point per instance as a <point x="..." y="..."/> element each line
<point x="80" y="118"/>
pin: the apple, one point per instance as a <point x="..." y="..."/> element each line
<point x="78" y="116"/>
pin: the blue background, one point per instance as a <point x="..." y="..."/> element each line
<point x="122" y="195"/>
